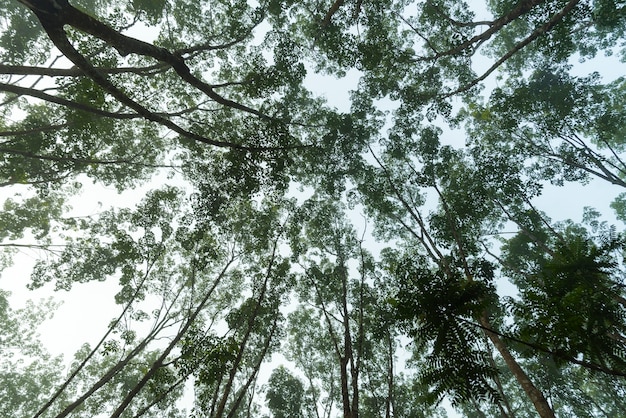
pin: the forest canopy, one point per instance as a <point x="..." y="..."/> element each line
<point x="290" y="257"/>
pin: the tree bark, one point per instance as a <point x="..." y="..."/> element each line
<point x="539" y="401"/>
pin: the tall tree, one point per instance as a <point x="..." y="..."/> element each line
<point x="215" y="96"/>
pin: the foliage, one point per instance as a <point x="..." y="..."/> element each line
<point x="284" y="395"/>
<point x="570" y="299"/>
<point x="437" y="310"/>
<point x="395" y="253"/>
<point x="29" y="372"/>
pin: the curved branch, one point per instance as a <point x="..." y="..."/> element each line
<point x="518" y="47"/>
<point x="25" y="91"/>
<point x="58" y="13"/>
<point x="521" y="9"/>
<point x="76" y="72"/>
<point x="81" y="160"/>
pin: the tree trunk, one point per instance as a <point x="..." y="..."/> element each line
<point x="389" y="400"/>
<point x="539" y="401"/>
<point x="345" y="395"/>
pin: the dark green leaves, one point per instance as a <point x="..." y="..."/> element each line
<point x="284" y="394"/>
<point x="572" y="303"/>
<point x="440" y="311"/>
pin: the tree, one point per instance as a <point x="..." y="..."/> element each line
<point x="152" y="100"/>
<point x="284" y="395"/>
<point x="226" y="264"/>
<point x="571" y="133"/>
<point x="342" y="292"/>
<point x="571" y="293"/>
<point x="338" y="299"/>
<point x="29" y="373"/>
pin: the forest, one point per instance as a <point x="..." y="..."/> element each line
<point x="322" y="208"/>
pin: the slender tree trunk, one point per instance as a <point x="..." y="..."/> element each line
<point x="257" y="366"/>
<point x="539" y="401"/>
<point x="505" y="407"/>
<point x="221" y="407"/>
<point x="115" y="369"/>
<point x="389" y="401"/>
<point x="352" y="410"/>
<point x="345" y="394"/>
<point x="313" y="393"/>
<point x="181" y="333"/>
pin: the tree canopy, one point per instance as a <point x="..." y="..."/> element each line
<point x="284" y="257"/>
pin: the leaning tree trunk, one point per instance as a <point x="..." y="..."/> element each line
<point x="535" y="395"/>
